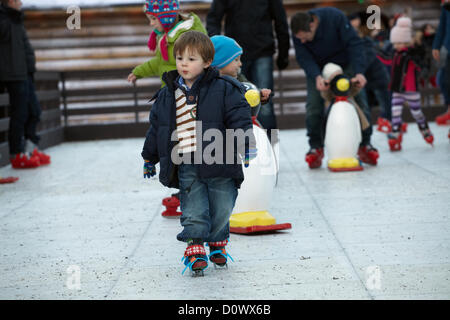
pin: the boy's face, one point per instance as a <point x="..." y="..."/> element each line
<point x="155" y="23"/>
<point x="232" y="69"/>
<point x="400" y="45"/>
<point x="190" y="65"/>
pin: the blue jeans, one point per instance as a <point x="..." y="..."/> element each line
<point x="206" y="205"/>
<point x="25" y="112"/>
<point x="384" y="98"/>
<point x="260" y="73"/>
<point x="443" y="79"/>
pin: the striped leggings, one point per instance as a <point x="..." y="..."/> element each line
<point x="413" y="100"/>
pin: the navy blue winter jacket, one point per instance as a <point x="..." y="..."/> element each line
<point x="220" y="104"/>
<point x="335" y="41"/>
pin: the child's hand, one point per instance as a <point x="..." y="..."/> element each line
<point x="265" y="95"/>
<point x="131" y="78"/>
<point x="149" y="169"/>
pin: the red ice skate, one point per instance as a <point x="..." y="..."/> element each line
<point x="395" y="141"/>
<point x="384" y="125"/>
<point x="368" y="154"/>
<point x="44" y="159"/>
<point x="22" y="161"/>
<point x="443" y="119"/>
<point x="404" y="127"/>
<point x="8" y="180"/>
<point x="314" y="157"/>
<point x="426" y="133"/>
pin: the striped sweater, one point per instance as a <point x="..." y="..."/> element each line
<point x="185" y="120"/>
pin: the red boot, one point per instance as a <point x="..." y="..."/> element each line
<point x="443" y="119"/>
<point x="22" y="161"/>
<point x="218" y="255"/>
<point x="314" y="157"/>
<point x="426" y="133"/>
<point x="384" y="125"/>
<point x="43" y="158"/>
<point x="395" y="141"/>
<point x="368" y="154"/>
<point x="404" y="127"/>
<point x="195" y="259"/>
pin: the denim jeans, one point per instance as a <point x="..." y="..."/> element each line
<point x="443" y="77"/>
<point x="315" y="114"/>
<point x="24" y="114"/>
<point x="384" y="98"/>
<point x="260" y="73"/>
<point x="206" y="205"/>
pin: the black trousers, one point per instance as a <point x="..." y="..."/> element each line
<point x="24" y="115"/>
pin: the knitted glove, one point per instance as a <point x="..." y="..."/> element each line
<point x="250" y="155"/>
<point x="149" y="169"/>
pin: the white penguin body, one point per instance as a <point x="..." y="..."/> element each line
<point x="343" y="131"/>
<point x="256" y="191"/>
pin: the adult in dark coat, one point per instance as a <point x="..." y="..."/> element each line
<point x="321" y="36"/>
<point x="17" y="67"/>
<point x="251" y="24"/>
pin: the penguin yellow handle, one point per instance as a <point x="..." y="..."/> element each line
<point x="343" y="85"/>
<point x="253" y="97"/>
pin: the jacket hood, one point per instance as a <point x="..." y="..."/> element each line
<point x="189" y="21"/>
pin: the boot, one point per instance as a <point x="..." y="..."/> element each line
<point x="395" y="139"/>
<point x="384" y="125"/>
<point x="426" y="133"/>
<point x="22" y="161"/>
<point x="218" y="255"/>
<point x="314" y="157"/>
<point x="195" y="257"/>
<point x="44" y="159"/>
<point x="444" y="118"/>
<point x="368" y="154"/>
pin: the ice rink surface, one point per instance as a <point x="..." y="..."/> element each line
<point x="90" y="227"/>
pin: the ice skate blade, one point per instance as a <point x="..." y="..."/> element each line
<point x="220" y="267"/>
<point x="197" y="273"/>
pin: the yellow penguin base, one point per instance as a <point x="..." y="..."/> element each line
<point x="255" y="222"/>
<point x="344" y="164"/>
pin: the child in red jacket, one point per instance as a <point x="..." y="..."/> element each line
<point x="404" y="84"/>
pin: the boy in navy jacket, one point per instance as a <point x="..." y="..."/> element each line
<point x="197" y="106"/>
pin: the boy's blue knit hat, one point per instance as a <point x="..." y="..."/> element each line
<point x="226" y="50"/>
